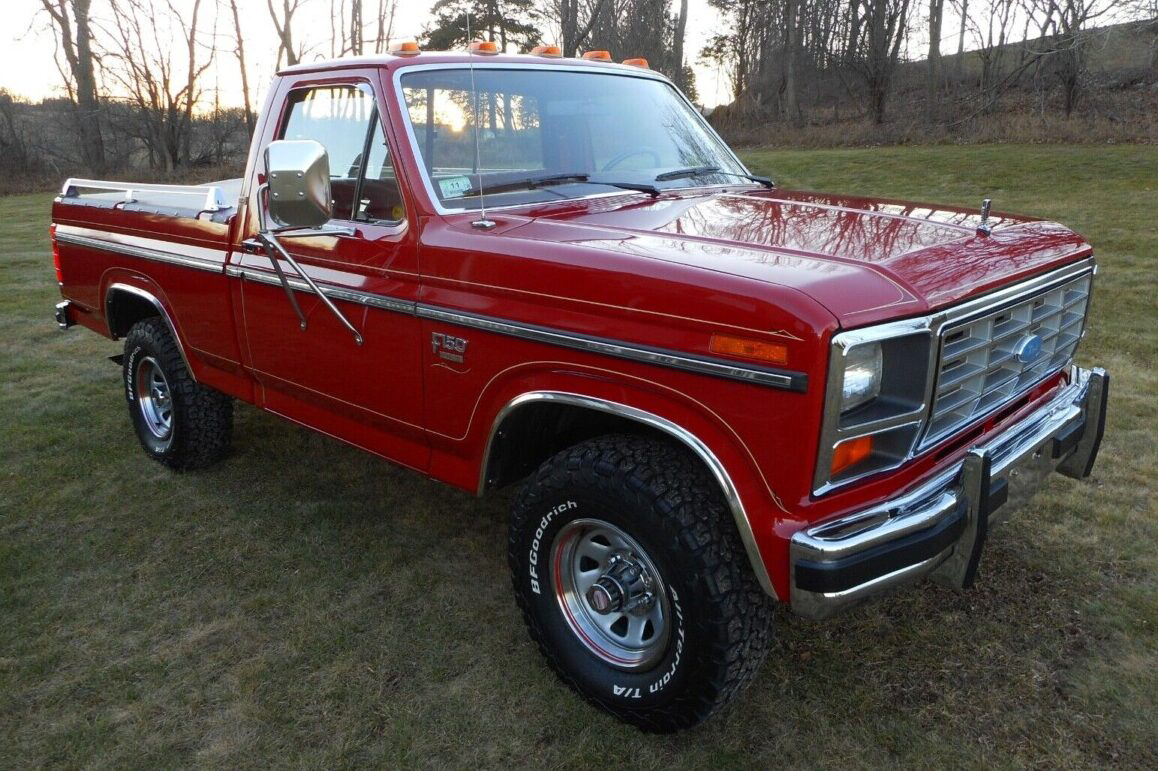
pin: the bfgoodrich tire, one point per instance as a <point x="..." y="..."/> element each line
<point x="180" y="423"/>
<point x="634" y="583"/>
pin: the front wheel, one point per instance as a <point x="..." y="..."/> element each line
<point x="634" y="584"/>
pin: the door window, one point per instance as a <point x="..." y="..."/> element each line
<point x="344" y="119"/>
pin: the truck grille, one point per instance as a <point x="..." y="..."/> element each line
<point x="987" y="361"/>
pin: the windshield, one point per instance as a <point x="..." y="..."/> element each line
<point x="545" y="135"/>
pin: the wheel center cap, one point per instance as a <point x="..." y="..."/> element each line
<point x="604" y="596"/>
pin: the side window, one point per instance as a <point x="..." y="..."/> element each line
<point x="344" y="119"/>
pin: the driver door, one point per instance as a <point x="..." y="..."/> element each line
<point x="365" y="259"/>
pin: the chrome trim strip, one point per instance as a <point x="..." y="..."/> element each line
<point x="143" y="253"/>
<point x="719" y="473"/>
<point x="930" y="325"/>
<point x="792" y="381"/>
<point x="110" y="293"/>
<point x="1020" y="455"/>
<point x="626" y="72"/>
<point x="383" y="302"/>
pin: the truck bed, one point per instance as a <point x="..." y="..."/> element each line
<point x="213" y="201"/>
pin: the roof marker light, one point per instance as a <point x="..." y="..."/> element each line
<point x="552" y="51"/>
<point x="600" y="56"/>
<point x="488" y="47"/>
<point x="405" y="48"/>
<point x="637" y="62"/>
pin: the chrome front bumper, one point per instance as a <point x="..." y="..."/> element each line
<point x="938" y="528"/>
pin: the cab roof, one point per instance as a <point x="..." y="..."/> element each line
<point x="391" y="62"/>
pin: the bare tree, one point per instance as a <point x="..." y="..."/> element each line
<point x="72" y="23"/>
<point x="933" y="98"/>
<point x="285" y="32"/>
<point x="385" y="29"/>
<point x="886" y="25"/>
<point x="141" y="64"/>
<point x="678" y="44"/>
<point x="239" y="51"/>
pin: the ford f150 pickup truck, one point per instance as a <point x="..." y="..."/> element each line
<point x="717" y="395"/>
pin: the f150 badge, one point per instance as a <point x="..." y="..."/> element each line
<point x="448" y="347"/>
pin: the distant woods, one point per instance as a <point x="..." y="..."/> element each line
<point x="809" y="61"/>
<point x="140" y="81"/>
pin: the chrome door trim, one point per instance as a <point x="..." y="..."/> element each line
<point x="370" y="299"/>
<point x="687" y="438"/>
<point x="783" y="379"/>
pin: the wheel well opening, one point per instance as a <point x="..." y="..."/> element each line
<point x="536" y="431"/>
<point x="124" y="309"/>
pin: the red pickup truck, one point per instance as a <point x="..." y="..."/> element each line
<point x="717" y="395"/>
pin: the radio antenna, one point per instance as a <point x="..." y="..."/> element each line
<point x="482" y="223"/>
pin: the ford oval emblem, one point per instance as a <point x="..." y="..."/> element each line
<point x="1028" y="348"/>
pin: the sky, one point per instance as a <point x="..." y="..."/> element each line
<point x="27" y="65"/>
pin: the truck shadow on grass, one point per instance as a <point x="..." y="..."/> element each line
<point x="920" y="674"/>
<point x="303" y="597"/>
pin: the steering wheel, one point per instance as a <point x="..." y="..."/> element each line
<point x="641" y="150"/>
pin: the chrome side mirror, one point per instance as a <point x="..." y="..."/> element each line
<point x="298" y="175"/>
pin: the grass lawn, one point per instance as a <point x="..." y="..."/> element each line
<point x="303" y="604"/>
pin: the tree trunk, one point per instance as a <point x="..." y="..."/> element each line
<point x="249" y="117"/>
<point x="960" y="63"/>
<point x="76" y="44"/>
<point x="678" y="45"/>
<point x="792" y="42"/>
<point x="933" y="100"/>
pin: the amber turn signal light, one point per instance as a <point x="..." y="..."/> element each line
<point x="850" y="452"/>
<point x="773" y="353"/>
<point x="484" y="47"/>
<point x="408" y="48"/>
<point x="637" y="62"/>
<point x="602" y="56"/>
<point x="552" y="51"/>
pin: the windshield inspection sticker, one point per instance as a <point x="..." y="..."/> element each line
<point x="454" y="187"/>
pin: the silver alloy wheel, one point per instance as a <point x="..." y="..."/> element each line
<point x="610" y="593"/>
<point x="154" y="398"/>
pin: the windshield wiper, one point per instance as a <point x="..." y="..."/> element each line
<point x="696" y="171"/>
<point x="528" y="183"/>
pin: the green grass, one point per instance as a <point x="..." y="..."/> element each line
<point x="303" y="604"/>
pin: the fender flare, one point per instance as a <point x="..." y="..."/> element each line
<point x="118" y="287"/>
<point x="674" y="430"/>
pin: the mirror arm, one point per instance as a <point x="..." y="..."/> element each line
<point x="271" y="246"/>
<point x="273" y="250"/>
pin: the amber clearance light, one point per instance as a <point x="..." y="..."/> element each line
<point x="552" y="51"/>
<point x="489" y="47"/>
<point x="850" y="452"/>
<point x="637" y="62"/>
<point x="601" y="56"/>
<point x="407" y="48"/>
<point x="773" y="353"/>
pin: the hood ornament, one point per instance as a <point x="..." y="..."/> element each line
<point x="983" y="227"/>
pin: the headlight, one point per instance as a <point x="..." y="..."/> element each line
<point x="863" y="366"/>
<point x="876" y="400"/>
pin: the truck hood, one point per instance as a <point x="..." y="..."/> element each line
<point x="863" y="259"/>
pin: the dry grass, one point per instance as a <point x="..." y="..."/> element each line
<point x="303" y="604"/>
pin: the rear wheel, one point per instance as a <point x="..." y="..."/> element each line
<point x="634" y="584"/>
<point x="179" y="422"/>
